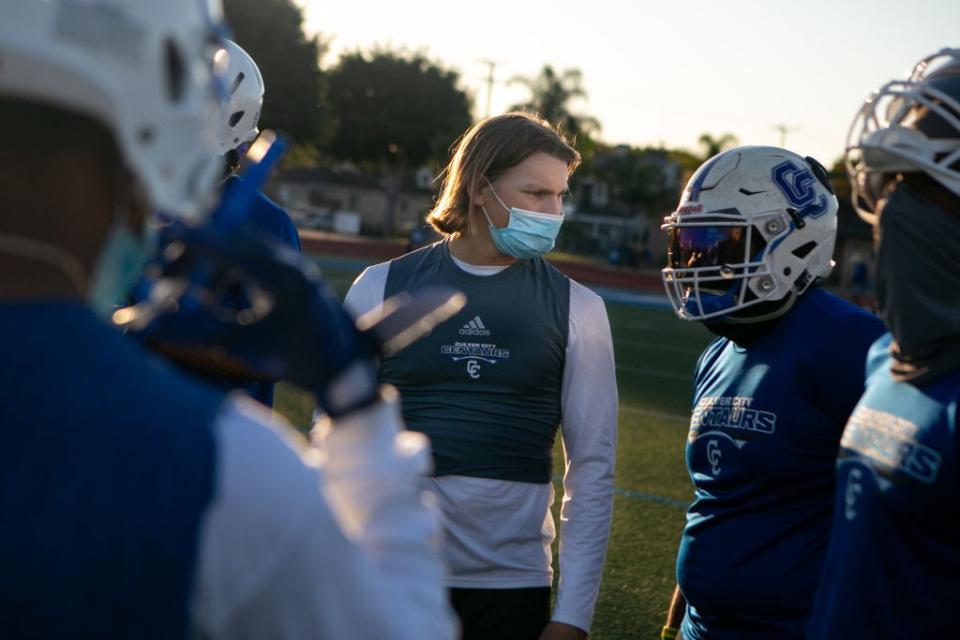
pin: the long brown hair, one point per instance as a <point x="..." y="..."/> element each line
<point x="486" y="150"/>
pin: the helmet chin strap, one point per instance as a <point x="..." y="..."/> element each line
<point x="48" y="253"/>
<point x="746" y="330"/>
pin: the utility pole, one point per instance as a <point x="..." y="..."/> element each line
<point x="492" y="64"/>
<point x="784" y="130"/>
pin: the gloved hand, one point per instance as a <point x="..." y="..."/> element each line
<point x="292" y="327"/>
<point x="223" y="300"/>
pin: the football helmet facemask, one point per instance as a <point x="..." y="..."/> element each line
<point x="910" y="125"/>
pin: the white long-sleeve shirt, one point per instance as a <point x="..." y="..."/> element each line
<point x="498" y="532"/>
<point x="335" y="541"/>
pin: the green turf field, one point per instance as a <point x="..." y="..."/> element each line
<point x="655" y="355"/>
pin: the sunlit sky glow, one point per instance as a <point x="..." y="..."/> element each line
<point x="667" y="71"/>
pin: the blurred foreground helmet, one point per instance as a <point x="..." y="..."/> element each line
<point x="143" y="68"/>
<point x="754" y="225"/>
<point x="910" y="125"/>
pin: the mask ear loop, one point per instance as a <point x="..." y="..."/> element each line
<point x="487" y="216"/>
<point x="51" y="254"/>
<point x="502" y="204"/>
<point x="484" y="209"/>
<point x="48" y="253"/>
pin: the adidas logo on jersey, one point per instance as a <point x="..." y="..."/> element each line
<point x="474" y="328"/>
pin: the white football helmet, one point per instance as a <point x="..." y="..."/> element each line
<point x="143" y="68"/>
<point x="907" y="125"/>
<point x="754" y="225"/>
<point x="236" y="124"/>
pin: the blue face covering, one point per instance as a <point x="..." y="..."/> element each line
<point x="918" y="277"/>
<point x="528" y="234"/>
<point x="119" y="266"/>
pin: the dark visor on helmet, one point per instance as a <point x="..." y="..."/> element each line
<point x="697" y="247"/>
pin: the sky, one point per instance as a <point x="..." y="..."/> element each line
<point x="665" y="71"/>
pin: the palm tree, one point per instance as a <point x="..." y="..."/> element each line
<point x="712" y="146"/>
<point x="550" y="95"/>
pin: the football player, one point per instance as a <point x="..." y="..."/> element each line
<point x="894" y="555"/>
<point x="751" y="239"/>
<point x="136" y="502"/>
<point x="530" y="357"/>
<point x="234" y="127"/>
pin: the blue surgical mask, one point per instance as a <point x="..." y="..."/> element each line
<point x="119" y="266"/>
<point x="528" y="234"/>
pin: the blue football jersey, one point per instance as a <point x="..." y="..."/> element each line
<point x="893" y="565"/>
<point x="763" y="439"/>
<point x="107" y="470"/>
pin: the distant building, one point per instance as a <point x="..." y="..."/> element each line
<point x="619" y="203"/>
<point x="604" y="235"/>
<point x="325" y="198"/>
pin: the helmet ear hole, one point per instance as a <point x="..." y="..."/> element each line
<point x="175" y="72"/>
<point x="804" y="250"/>
<point x="235" y="118"/>
<point x="237" y="82"/>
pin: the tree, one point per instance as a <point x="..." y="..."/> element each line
<point x="841" y="185"/>
<point x="712" y="146"/>
<point x="688" y="161"/>
<point x="396" y="110"/>
<point x="638" y="178"/>
<point x="550" y="95"/>
<point x="296" y="90"/>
